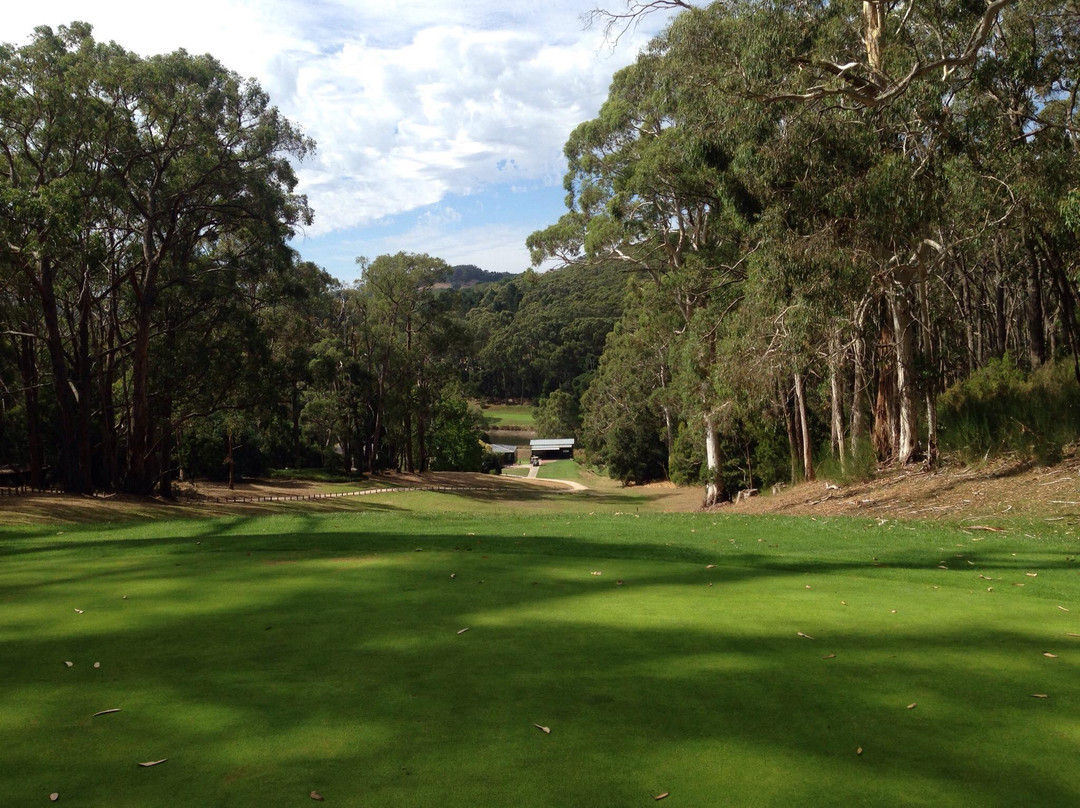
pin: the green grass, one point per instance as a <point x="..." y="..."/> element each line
<point x="560" y="470"/>
<point x="269" y="656"/>
<point x="509" y="415"/>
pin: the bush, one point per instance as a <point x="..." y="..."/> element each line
<point x="455" y="438"/>
<point x="490" y="463"/>
<point x="860" y="466"/>
<point x="998" y="409"/>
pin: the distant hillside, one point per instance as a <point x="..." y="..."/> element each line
<point x="470" y="275"/>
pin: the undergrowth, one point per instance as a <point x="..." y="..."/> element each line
<point x="1000" y="409"/>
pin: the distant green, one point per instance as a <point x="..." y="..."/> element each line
<point x="508" y="415"/>
<point x="266" y="657"/>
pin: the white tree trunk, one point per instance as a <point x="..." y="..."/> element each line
<point x="714" y="487"/>
<point x="904" y="337"/>
<point x="859" y="429"/>
<point x="930" y="387"/>
<point x="804" y="420"/>
<point x="836" y="395"/>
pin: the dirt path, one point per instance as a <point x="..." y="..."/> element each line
<point x="573" y="485"/>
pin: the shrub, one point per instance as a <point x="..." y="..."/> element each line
<point x="998" y="409"/>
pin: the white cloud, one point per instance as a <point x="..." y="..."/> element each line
<point x="409" y="101"/>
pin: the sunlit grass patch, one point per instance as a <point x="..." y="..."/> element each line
<point x="390" y="657"/>
<point x="509" y="415"/>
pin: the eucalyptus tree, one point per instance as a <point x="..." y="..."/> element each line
<point x="660" y="199"/>
<point x="128" y="183"/>
<point x="205" y="169"/>
<point x="402" y="327"/>
<point x="56" y="130"/>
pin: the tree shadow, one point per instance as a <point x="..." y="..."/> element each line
<point x="347" y="672"/>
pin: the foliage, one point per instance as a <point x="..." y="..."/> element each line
<point x="145" y="206"/>
<point x="558" y="415"/>
<point x="536" y="334"/>
<point x="999" y="408"/>
<point x="622" y="427"/>
<point x="456" y="437"/>
<point x="844" y="209"/>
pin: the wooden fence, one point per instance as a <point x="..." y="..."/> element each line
<point x="12" y="491"/>
<point x="336" y="494"/>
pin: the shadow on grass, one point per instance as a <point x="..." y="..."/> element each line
<point x="346" y="672"/>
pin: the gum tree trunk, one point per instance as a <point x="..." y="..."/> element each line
<point x="714" y="486"/>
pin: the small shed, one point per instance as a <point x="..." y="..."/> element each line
<point x="552" y="448"/>
<point x="507" y="453"/>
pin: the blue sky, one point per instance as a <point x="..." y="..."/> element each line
<point x="439" y="125"/>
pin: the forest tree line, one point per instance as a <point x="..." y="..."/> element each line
<point x="837" y="211"/>
<point x="156" y="324"/>
<point x="840" y="233"/>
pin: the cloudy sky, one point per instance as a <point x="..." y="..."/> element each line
<point x="439" y="123"/>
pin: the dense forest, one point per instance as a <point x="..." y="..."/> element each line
<point x="798" y="235"/>
<point x="157" y="325"/>
<point x="855" y="226"/>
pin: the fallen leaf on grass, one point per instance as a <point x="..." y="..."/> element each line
<point x="106" y="712"/>
<point x="97" y="664"/>
<point x="1049" y="655"/>
<point x="829" y="656"/>
<point x="1017" y="584"/>
<point x="463" y="630"/>
<point x="807" y="636"/>
<point x="858" y="751"/>
<point x="1063" y="608"/>
<point x="942" y="567"/>
<point x="78" y="611"/>
<point x="69" y="664"/>
<point x="1039" y="696"/>
<point x="150" y="763"/>
<point x="985" y="527"/>
<point x="1032" y="574"/>
<point x="1071" y="634"/>
<point x="710" y="566"/>
<point x="913" y="705"/>
<point x="54" y="797"/>
<point x="618" y="583"/>
<point x="315" y="795"/>
<point x="596" y="572"/>
<point x="661" y="796"/>
<point x="545" y="730"/>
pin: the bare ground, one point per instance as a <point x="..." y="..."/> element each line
<point x="999" y="488"/>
